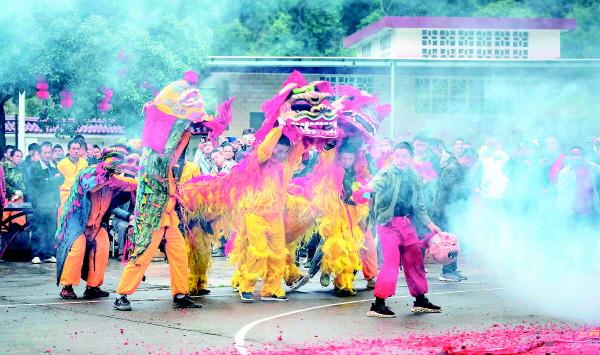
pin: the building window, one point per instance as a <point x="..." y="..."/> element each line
<point x="482" y="44"/>
<point x="366" y="50"/>
<point x="458" y="95"/>
<point x="256" y="119"/>
<point x="448" y="95"/>
<point x="362" y="82"/>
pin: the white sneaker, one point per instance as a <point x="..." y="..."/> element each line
<point x="50" y="260"/>
<point x="36" y="260"/>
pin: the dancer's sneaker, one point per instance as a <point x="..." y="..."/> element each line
<point x="273" y="298"/>
<point x="299" y="282"/>
<point x="122" y="304"/>
<point x="185" y="301"/>
<point x="51" y="260"/>
<point x="247" y="297"/>
<point x="380" y="311"/>
<point x="325" y="279"/>
<point x="344" y="293"/>
<point x="460" y="276"/>
<point x="94" y="292"/>
<point x="68" y="293"/>
<point x="200" y="292"/>
<point x="217" y="254"/>
<point x="36" y="260"/>
<point x="424" y="306"/>
<point x="371" y="284"/>
<point x="449" y="277"/>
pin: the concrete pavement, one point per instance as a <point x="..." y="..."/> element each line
<point x="35" y="320"/>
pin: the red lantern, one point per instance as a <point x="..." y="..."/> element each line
<point x="42" y="87"/>
<point x="66" y="99"/>
<point x="42" y="95"/>
<point x="104" y="104"/>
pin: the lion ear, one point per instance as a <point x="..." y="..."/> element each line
<point x="287" y="88"/>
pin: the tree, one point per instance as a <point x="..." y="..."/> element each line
<point x="86" y="47"/>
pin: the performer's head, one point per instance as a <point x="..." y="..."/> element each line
<point x="347" y="153"/>
<point x="403" y="155"/>
<point x="282" y="149"/>
<point x="112" y="159"/>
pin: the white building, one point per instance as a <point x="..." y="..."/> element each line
<point x="444" y="76"/>
<point x="460" y="38"/>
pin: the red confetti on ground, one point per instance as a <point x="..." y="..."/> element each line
<point x="497" y="340"/>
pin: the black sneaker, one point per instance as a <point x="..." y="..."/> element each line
<point x="94" y="292"/>
<point x="185" y="301"/>
<point x="68" y="293"/>
<point x="200" y="292"/>
<point x="298" y="282"/>
<point x="122" y="304"/>
<point x="380" y="311"/>
<point x="424" y="306"/>
<point x="343" y="293"/>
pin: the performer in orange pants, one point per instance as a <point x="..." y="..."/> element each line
<point x="176" y="254"/>
<point x="368" y="257"/>
<point x="98" y="260"/>
<point x="165" y="137"/>
<point x="83" y="242"/>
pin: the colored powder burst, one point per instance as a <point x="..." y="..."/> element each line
<point x="497" y="340"/>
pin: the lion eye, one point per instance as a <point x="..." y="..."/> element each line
<point x="301" y="106"/>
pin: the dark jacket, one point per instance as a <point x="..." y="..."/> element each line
<point x="386" y="186"/>
<point x="448" y="185"/>
<point x="43" y="184"/>
<point x="15" y="180"/>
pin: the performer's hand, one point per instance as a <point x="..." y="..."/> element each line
<point x="434" y="229"/>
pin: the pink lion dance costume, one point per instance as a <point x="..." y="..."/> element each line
<point x="255" y="191"/>
<point x="339" y="185"/>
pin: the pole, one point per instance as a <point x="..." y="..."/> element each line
<point x="393" y="98"/>
<point x="20" y="123"/>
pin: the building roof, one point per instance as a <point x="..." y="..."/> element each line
<point x="488" y="23"/>
<point x="345" y="65"/>
<point x="95" y="126"/>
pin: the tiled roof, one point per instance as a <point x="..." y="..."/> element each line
<point x="488" y="23"/>
<point x="95" y="126"/>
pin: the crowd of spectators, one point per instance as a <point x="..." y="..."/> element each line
<point x="496" y="171"/>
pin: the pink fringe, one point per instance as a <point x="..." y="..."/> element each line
<point x="230" y="243"/>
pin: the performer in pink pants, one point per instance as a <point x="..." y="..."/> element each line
<point x="397" y="199"/>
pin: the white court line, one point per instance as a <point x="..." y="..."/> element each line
<point x="205" y="296"/>
<point x="240" y="336"/>
<point x="109" y="299"/>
